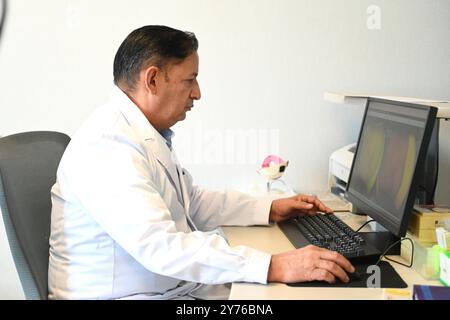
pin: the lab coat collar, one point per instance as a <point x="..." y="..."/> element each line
<point x="133" y="114"/>
<point x="157" y="143"/>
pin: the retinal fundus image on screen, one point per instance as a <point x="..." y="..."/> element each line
<point x="386" y="158"/>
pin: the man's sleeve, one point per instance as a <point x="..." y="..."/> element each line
<point x="112" y="179"/>
<point x="211" y="209"/>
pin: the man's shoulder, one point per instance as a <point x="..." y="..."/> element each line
<point x="105" y="133"/>
<point x="105" y="122"/>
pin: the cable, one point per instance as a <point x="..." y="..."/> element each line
<point x="359" y="213"/>
<point x="392" y="260"/>
<point x="364" y="224"/>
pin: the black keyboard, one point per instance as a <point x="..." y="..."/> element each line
<point x="330" y="232"/>
<point x="327" y="231"/>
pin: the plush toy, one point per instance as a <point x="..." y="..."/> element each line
<point x="272" y="169"/>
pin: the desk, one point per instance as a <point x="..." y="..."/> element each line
<point x="271" y="239"/>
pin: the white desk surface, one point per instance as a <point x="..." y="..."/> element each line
<point x="272" y="240"/>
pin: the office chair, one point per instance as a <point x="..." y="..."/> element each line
<point x="28" y="164"/>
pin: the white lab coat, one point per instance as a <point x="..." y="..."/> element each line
<point x="119" y="224"/>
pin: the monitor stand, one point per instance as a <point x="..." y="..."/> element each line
<point x="382" y="240"/>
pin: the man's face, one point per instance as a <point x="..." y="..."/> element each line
<point x="179" y="89"/>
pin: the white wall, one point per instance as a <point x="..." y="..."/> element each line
<point x="264" y="66"/>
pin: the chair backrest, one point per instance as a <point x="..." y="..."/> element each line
<point x="28" y="165"/>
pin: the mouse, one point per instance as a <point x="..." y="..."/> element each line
<point x="352" y="277"/>
<point x="355" y="276"/>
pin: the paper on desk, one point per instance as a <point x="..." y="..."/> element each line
<point x="334" y="202"/>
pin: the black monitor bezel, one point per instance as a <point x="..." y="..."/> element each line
<point x="398" y="230"/>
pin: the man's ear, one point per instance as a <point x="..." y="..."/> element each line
<point x="150" y="78"/>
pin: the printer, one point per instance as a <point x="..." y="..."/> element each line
<point x="338" y="173"/>
<point x="339" y="169"/>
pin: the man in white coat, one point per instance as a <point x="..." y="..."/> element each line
<point x="127" y="221"/>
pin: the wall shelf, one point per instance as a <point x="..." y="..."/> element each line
<point x="352" y="98"/>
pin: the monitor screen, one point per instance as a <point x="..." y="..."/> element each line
<point x="391" y="149"/>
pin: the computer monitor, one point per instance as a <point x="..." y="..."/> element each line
<point x="391" y="150"/>
<point x="428" y="177"/>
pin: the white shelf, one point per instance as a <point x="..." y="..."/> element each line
<point x="351" y="98"/>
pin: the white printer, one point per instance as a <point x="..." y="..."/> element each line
<point x="339" y="169"/>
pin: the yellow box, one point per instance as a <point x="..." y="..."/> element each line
<point x="423" y="222"/>
<point x="424" y="235"/>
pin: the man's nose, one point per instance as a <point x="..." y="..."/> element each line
<point x="196" y="94"/>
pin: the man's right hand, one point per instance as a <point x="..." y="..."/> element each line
<point x="308" y="264"/>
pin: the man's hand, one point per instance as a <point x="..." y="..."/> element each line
<point x="308" y="264"/>
<point x="298" y="205"/>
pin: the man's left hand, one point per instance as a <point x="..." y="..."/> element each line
<point x="299" y="205"/>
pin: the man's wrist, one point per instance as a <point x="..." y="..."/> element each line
<point x="274" y="211"/>
<point x="271" y="211"/>
<point x="273" y="273"/>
